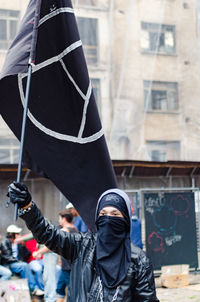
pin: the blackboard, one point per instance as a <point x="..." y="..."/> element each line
<point x="170" y="229"/>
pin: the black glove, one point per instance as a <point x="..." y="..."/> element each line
<point x="18" y="193"/>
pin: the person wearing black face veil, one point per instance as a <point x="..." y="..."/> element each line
<point x="106" y="267"/>
<point x="113" y="250"/>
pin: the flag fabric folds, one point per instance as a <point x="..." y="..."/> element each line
<point x="64" y="138"/>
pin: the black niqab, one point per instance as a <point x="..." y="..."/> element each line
<point x="113" y="249"/>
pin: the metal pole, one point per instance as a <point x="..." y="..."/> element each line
<point x="198" y="207"/>
<point x="19" y="171"/>
<point x="28" y="84"/>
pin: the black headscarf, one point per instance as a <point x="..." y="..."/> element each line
<point x="113" y="249"/>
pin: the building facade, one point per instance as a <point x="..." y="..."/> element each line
<point x="157" y="91"/>
<point x="143" y="61"/>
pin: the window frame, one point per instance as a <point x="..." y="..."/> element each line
<point x="162" y="153"/>
<point x="10" y="146"/>
<point x="7" y="16"/>
<point x="162" y="146"/>
<point x="155" y="28"/>
<point x="77" y="3"/>
<point x="89" y="47"/>
<point x="150" y="87"/>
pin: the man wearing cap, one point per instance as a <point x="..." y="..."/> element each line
<point x="13" y="256"/>
<point x="19" y="250"/>
<point x="106" y="267"/>
<point x="78" y="221"/>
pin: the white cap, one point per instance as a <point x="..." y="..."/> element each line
<point x="13" y="229"/>
<point x="69" y="206"/>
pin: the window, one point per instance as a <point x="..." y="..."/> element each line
<point x="96" y="90"/>
<point x="160" y="96"/>
<point x="8" y="27"/>
<point x="157" y="155"/>
<point x="85" y="2"/>
<point x="158" y="38"/>
<point x="9" y="150"/>
<point x="88" y="33"/>
<point x="163" y="150"/>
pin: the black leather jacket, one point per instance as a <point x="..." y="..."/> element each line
<point x="0" y="252"/>
<point x="6" y="253"/>
<point x="138" y="286"/>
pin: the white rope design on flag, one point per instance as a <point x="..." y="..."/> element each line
<point x="55" y="13"/>
<point x="58" y="57"/>
<point x="85" y="111"/>
<point x="79" y="139"/>
<point x="85" y="97"/>
<point x="72" y="80"/>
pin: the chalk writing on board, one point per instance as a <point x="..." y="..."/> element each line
<point x="152" y="203"/>
<point x="170" y="225"/>
<point x="156" y="242"/>
<point x="180" y="205"/>
<point x="167" y="225"/>
<point x="172" y="239"/>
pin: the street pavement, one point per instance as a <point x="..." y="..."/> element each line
<point x="190" y="293"/>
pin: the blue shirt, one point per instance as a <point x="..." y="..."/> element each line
<point x="136" y="232"/>
<point x="80" y="224"/>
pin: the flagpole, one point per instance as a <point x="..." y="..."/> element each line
<point x="19" y="170"/>
<point x="28" y="85"/>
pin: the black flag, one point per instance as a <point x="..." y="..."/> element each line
<point x="64" y="138"/>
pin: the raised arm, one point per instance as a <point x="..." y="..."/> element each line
<point x="65" y="244"/>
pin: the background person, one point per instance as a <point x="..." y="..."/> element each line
<point x="78" y="221"/>
<point x="136" y="232"/>
<point x="5" y="273"/>
<point x="51" y="270"/>
<point x="65" y="219"/>
<point x="13" y="255"/>
<point x="36" y="265"/>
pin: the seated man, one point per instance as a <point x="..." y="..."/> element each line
<point x="105" y="266"/>
<point x="36" y="265"/>
<point x="5" y="273"/>
<point x="13" y="256"/>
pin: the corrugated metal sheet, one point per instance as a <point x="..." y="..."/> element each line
<point x="155" y="169"/>
<point x="9" y="171"/>
<point x="126" y="168"/>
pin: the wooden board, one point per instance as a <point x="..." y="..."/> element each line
<point x="175" y="276"/>
<point x="174" y="281"/>
<point x="14" y="291"/>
